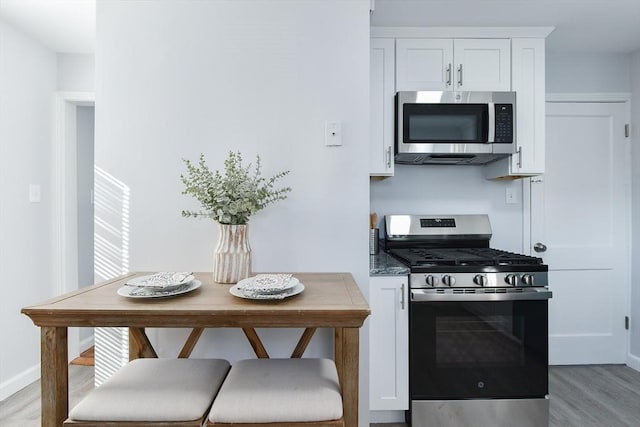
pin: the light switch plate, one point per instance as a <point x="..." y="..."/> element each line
<point x="332" y="133"/>
<point x="34" y="193"/>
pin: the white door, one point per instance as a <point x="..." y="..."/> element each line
<point x="580" y="212"/>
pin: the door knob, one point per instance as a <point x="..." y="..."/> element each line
<point x="539" y="247"/>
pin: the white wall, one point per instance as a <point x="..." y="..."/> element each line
<point x="441" y="190"/>
<point x="76" y="72"/>
<point x="635" y="209"/>
<point x="587" y="72"/>
<point x="175" y="78"/>
<point x="27" y="83"/>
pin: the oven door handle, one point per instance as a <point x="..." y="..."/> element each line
<point x="530" y="294"/>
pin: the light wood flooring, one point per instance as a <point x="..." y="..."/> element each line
<point x="581" y="396"/>
<point x="86" y="358"/>
<point x="23" y="408"/>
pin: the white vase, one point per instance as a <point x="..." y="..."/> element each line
<point x="232" y="257"/>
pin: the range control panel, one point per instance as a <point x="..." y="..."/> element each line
<point x="437" y="222"/>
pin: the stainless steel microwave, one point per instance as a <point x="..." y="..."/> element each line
<point x="460" y="128"/>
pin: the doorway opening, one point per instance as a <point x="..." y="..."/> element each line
<point x="73" y="190"/>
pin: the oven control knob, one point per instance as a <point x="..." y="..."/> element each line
<point x="432" y="280"/>
<point x="480" y="280"/>
<point x="448" y="280"/>
<point x="527" y="279"/>
<point x="510" y="279"/>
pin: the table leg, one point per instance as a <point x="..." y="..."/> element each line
<point x="54" y="373"/>
<point x="191" y="342"/>
<point x="346" y="350"/>
<point x="303" y="342"/>
<point x="139" y="344"/>
<point x="256" y="343"/>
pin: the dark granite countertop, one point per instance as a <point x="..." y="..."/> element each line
<point x="384" y="264"/>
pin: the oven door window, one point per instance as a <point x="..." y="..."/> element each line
<point x="479" y="350"/>
<point x="445" y="123"/>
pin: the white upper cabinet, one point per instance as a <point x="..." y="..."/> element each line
<point x="382" y="108"/>
<point x="424" y="64"/>
<point x="528" y="74"/>
<point x="453" y="64"/>
<point x="482" y="64"/>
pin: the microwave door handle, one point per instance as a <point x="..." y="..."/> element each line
<point x="491" y="135"/>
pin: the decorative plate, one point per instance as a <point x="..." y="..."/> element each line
<point x="298" y="288"/>
<point x="161" y="280"/>
<point x="142" y="292"/>
<point x="267" y="283"/>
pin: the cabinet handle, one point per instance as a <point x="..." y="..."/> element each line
<point x="402" y="296"/>
<point x="449" y="75"/>
<point x="389" y="157"/>
<point x="519" y="157"/>
<point x="460" y="75"/>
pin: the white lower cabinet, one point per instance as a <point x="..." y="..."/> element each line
<point x="389" y="343"/>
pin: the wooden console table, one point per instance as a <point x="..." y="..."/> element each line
<point x="330" y="300"/>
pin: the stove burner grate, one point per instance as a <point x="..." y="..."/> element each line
<point x="463" y="257"/>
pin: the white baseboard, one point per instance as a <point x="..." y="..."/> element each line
<point x="633" y="362"/>
<point x="386" y="416"/>
<point x="20" y="381"/>
<point x="31" y="375"/>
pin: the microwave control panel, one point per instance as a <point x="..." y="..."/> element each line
<point x="504" y="123"/>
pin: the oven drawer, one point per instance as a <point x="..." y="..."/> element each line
<point x="474" y="413"/>
<point x="478" y="349"/>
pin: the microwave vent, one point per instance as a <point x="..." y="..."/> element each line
<point x="447" y="159"/>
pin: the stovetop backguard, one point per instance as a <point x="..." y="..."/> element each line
<point x="423" y="231"/>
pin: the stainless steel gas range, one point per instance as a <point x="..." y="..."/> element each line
<point x="478" y="328"/>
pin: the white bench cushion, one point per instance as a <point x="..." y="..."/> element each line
<point x="155" y="390"/>
<point x="279" y="390"/>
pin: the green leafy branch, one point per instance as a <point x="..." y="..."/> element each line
<point x="232" y="197"/>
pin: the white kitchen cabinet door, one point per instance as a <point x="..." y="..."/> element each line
<point x="482" y="64"/>
<point x="580" y="212"/>
<point x="447" y="64"/>
<point x="528" y="74"/>
<point x="424" y="64"/>
<point x="382" y="97"/>
<point x="528" y="81"/>
<point x="389" y="343"/>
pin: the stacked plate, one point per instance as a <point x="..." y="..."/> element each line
<point x="161" y="284"/>
<point x="267" y="287"/>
